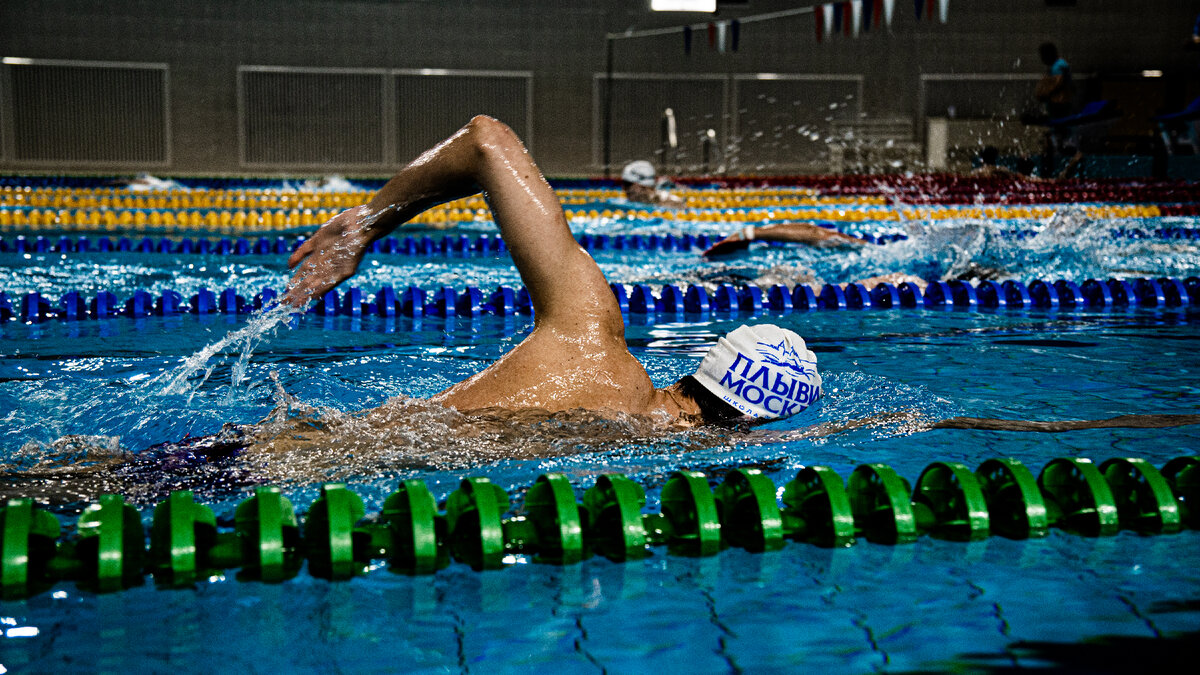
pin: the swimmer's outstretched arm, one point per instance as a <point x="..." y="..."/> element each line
<point x="800" y="233"/>
<point x="485" y="155"/>
<point x="1121" y="421"/>
<point x="911" y="421"/>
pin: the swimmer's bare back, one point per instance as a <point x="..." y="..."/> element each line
<point x="576" y="356"/>
<point x="1119" y="422"/>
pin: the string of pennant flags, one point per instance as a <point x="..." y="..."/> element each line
<point x="846" y="17"/>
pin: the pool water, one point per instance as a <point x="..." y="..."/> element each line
<point x="995" y="604"/>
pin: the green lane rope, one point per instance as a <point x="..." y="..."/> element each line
<point x="107" y="551"/>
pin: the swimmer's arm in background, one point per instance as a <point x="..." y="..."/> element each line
<point x="799" y="233"/>
<point x="1119" y="422"/>
<point x="912" y="421"/>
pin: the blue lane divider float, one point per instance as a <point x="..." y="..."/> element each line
<point x="453" y="245"/>
<point x="692" y="302"/>
<point x="447" y="245"/>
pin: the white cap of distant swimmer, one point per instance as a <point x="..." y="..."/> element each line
<point x="764" y="371"/>
<point x="640" y="172"/>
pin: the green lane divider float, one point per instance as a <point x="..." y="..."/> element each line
<point x="108" y="549"/>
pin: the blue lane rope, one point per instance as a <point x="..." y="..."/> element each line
<point x="462" y="244"/>
<point x="447" y="245"/>
<point x="679" y="304"/>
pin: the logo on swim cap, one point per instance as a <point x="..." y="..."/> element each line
<point x="785" y="355"/>
<point x="764" y="371"/>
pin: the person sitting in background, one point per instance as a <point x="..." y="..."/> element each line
<point x="640" y="182"/>
<point x="1056" y="90"/>
<point x="796" y="233"/>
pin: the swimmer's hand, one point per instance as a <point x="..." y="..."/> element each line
<point x="330" y="256"/>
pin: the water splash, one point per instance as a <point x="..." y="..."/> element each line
<point x="244" y="340"/>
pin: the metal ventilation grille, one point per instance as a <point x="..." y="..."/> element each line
<point x="317" y="118"/>
<point x="88" y="113"/>
<point x="431" y="105"/>
<point x="698" y="103"/>
<point x="785" y="122"/>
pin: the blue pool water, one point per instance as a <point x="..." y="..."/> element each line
<point x="932" y="605"/>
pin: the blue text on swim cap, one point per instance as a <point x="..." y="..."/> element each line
<point x="785" y="396"/>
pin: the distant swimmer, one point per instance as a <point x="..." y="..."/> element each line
<point x="797" y="233"/>
<point x="640" y="183"/>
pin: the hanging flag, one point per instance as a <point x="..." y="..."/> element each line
<point x="943" y="10"/>
<point x="819" y="20"/>
<point x="919" y="6"/>
<point x="828" y="18"/>
<point x="735" y="29"/>
<point x="856" y="7"/>
<point x="712" y="35"/>
<point x="837" y="17"/>
<point x="721" y="26"/>
<point x="865" y="9"/>
<point x="687" y="40"/>
<point x="889" y="8"/>
<point x="846" y="18"/>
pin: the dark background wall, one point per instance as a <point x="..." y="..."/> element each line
<point x="563" y="44"/>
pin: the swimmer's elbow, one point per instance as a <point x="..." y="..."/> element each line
<point x="488" y="133"/>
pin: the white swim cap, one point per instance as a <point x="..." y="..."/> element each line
<point x="764" y="371"/>
<point x="640" y="172"/>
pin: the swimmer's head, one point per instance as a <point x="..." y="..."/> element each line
<point x="762" y="372"/>
<point x="640" y="173"/>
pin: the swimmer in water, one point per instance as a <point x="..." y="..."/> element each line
<point x="576" y="357"/>
<point x="640" y="183"/>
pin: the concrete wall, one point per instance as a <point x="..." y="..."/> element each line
<point x="203" y="42"/>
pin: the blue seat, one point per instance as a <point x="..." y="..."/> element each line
<point x="1096" y="111"/>
<point x="1191" y="112"/>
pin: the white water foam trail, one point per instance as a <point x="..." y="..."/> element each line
<point x="245" y="340"/>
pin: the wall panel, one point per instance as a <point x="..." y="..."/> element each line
<point x="639" y="100"/>
<point x="785" y="122"/>
<point x="431" y="105"/>
<point x="311" y="117"/>
<point x="562" y="45"/>
<point x="77" y="113"/>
